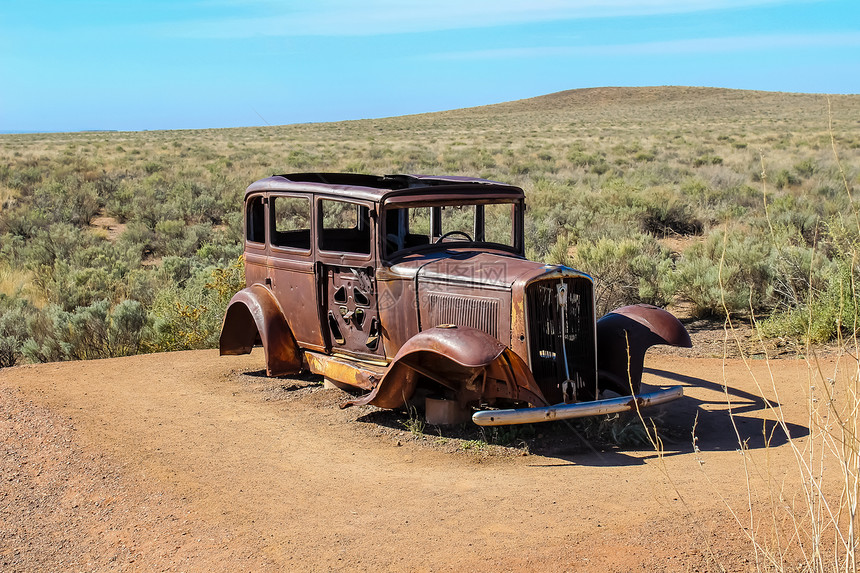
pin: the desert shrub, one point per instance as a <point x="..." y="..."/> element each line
<point x="171" y="237"/>
<point x="25" y="178"/>
<point x="128" y="328"/>
<point x="119" y="203"/>
<point x="707" y="160"/>
<point x="72" y="267"/>
<point x="671" y="216"/>
<point x="70" y="288"/>
<point x="599" y="168"/>
<point x="785" y="178"/>
<point x="626" y="271"/>
<point x="152" y="167"/>
<point x="219" y="251"/>
<point x="552" y="211"/>
<point x="98" y="330"/>
<point x="799" y="270"/>
<point x="176" y="270"/>
<point x="141" y="285"/>
<point x="231" y="231"/>
<point x="805" y="168"/>
<point x="795" y="214"/>
<point x="205" y="208"/>
<point x="150" y="206"/>
<point x="832" y="312"/>
<point x="23" y="220"/>
<point x="53" y="244"/>
<point x="578" y="157"/>
<point x="138" y="236"/>
<point x="190" y="316"/>
<point x="729" y="268"/>
<point x="646" y="156"/>
<point x="15" y="313"/>
<point x="72" y="200"/>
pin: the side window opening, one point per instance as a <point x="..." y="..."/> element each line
<point x="345" y="227"/>
<point x="256" y="220"/>
<point x="292" y="222"/>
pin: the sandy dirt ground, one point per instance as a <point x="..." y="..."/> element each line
<point x="193" y="462"/>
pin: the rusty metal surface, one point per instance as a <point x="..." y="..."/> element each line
<point x="252" y="311"/>
<point x="350" y="308"/>
<point x="468" y="347"/>
<point x="467" y="361"/>
<point x="470" y="267"/>
<point x="579" y="410"/>
<point x="374" y="188"/>
<point x="661" y="322"/>
<point x="623" y="337"/>
<point x="525" y="331"/>
<point x="346" y="371"/>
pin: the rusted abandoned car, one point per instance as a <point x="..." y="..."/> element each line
<point x="417" y="287"/>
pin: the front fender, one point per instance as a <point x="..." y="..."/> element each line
<point x="623" y="337"/>
<point x="468" y="361"/>
<point x="255" y="310"/>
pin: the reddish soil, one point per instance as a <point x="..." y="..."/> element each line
<point x="107" y="225"/>
<point x="194" y="462"/>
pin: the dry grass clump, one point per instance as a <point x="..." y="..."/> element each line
<point x="807" y="520"/>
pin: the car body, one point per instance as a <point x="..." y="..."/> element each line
<point x="411" y="285"/>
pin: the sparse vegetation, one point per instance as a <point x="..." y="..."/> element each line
<point x="656" y="191"/>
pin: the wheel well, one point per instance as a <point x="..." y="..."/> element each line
<point x="239" y="332"/>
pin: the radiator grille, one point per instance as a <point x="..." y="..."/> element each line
<point x="477" y="312"/>
<point x="551" y="334"/>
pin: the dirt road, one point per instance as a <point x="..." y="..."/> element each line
<point x="189" y="461"/>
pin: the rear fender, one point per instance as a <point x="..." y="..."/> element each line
<point x="473" y="364"/>
<point x="254" y="310"/>
<point x="623" y="337"/>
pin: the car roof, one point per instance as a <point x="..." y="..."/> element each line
<point x="378" y="188"/>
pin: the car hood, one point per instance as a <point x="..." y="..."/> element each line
<point x="480" y="269"/>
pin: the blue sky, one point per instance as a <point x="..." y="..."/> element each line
<point x="173" y="64"/>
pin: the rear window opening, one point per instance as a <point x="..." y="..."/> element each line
<point x="255" y="224"/>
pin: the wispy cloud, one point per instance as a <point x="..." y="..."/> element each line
<point x="673" y="47"/>
<point x="250" y="18"/>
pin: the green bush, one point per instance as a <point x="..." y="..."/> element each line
<point x="831" y="312"/>
<point x="15" y="313"/>
<point x="625" y="271"/>
<point x="97" y="330"/>
<point x="189" y="317"/>
<point x="730" y="271"/>
<point x="671" y="216"/>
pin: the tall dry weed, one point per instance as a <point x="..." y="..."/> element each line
<point x="807" y="520"/>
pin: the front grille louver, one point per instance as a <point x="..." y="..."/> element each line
<point x="546" y="339"/>
<point x="478" y="312"/>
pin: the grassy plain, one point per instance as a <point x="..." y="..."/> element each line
<point x="726" y="201"/>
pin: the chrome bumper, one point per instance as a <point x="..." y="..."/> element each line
<point x="578" y="410"/>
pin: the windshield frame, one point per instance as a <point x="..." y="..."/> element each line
<point x="455" y="241"/>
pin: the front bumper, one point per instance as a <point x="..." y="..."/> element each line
<point x="578" y="410"/>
